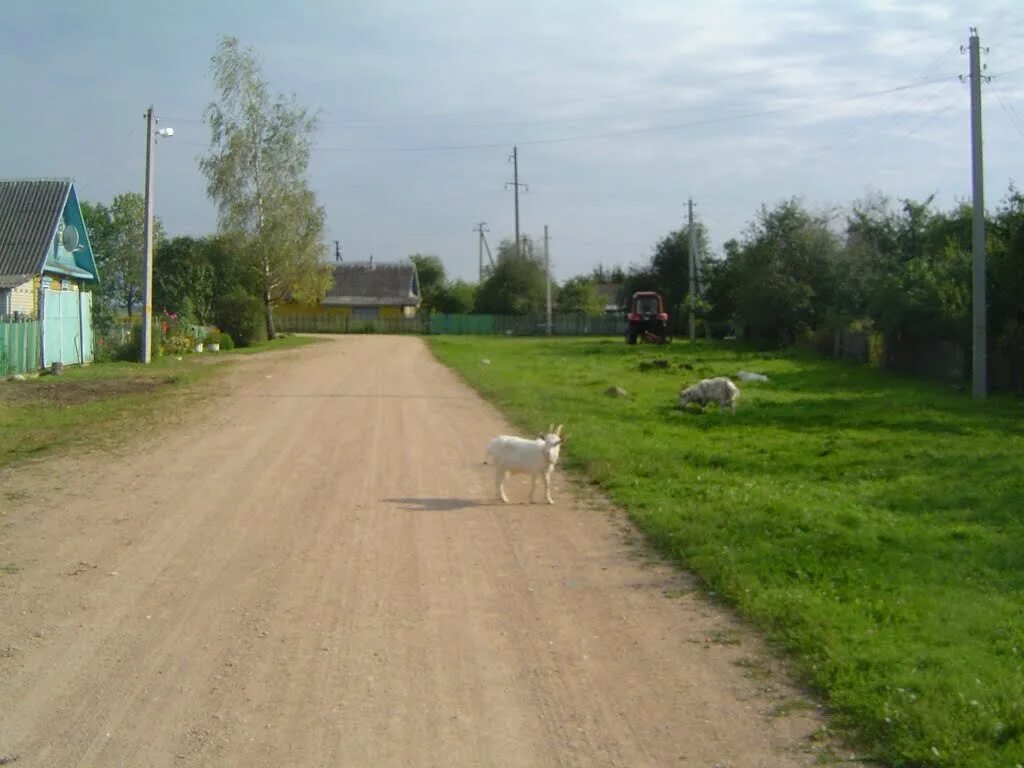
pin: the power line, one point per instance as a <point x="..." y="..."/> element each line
<point x="628" y="131"/>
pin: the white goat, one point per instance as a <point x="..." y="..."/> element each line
<point x="720" y="391"/>
<point x="526" y="457"/>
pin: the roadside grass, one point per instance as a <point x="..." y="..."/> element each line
<point x="104" y="404"/>
<point x="870" y="525"/>
<point x="285" y="341"/>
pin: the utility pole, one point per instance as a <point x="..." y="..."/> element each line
<point x="480" y="228"/>
<point x="693" y="275"/>
<point x="979" y="385"/>
<point x="337" y="251"/>
<point x="514" y="157"/>
<point x="547" y="277"/>
<point x="145" y="346"/>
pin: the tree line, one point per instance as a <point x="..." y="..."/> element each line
<point x="900" y="269"/>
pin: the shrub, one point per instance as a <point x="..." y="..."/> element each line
<point x="226" y="342"/>
<point x="240" y="314"/>
<point x="178" y="344"/>
<point x="128" y="351"/>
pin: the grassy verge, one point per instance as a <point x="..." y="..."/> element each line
<point x="104" y="404"/>
<point x="288" y="341"/>
<point x="872" y="526"/>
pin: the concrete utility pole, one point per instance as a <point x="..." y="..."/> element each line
<point x="514" y="157"/>
<point x="337" y="251"/>
<point x="480" y="228"/>
<point x="693" y="275"/>
<point x="145" y="347"/>
<point x="547" y="277"/>
<point x="979" y="387"/>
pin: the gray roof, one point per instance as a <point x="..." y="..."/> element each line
<point x="29" y="212"/>
<point x="367" y="284"/>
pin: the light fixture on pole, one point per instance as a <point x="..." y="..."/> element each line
<point x="145" y="345"/>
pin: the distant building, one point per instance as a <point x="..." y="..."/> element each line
<point x="366" y="291"/>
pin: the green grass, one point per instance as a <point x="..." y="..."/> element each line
<point x="288" y="341"/>
<point x="106" y="404"/>
<point x="96" y="406"/>
<point x="871" y="526"/>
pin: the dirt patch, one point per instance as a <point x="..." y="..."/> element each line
<point x="57" y="391"/>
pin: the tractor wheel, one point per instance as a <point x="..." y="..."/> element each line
<point x="631" y="337"/>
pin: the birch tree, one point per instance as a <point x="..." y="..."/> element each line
<point x="256" y="173"/>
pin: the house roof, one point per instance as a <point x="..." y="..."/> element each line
<point x="374" y="285"/>
<point x="29" y="212"/>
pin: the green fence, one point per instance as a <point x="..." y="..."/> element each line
<point x="528" y="325"/>
<point x="479" y="325"/>
<point x="347" y="324"/>
<point x="19" y="346"/>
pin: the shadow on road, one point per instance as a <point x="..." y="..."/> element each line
<point x="436" y="505"/>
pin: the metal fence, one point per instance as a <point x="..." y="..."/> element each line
<point x="481" y="325"/>
<point x="19" y="346"/>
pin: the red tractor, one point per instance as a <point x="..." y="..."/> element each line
<point x="647" y="319"/>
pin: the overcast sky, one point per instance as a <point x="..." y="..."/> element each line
<point x="621" y="111"/>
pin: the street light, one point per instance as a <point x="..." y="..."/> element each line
<point x="145" y="347"/>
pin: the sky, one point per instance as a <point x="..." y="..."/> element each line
<point x="621" y="111"/>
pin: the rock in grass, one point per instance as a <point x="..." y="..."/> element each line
<point x="616" y="392"/>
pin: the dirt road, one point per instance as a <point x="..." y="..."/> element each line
<point x="314" y="574"/>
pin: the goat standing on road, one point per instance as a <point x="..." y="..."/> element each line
<point x="527" y="457"/>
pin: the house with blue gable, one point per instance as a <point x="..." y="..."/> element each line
<point x="47" y="267"/>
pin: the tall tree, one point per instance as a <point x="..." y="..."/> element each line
<point x="579" y="296"/>
<point x="456" y="298"/>
<point x="527" y="250"/>
<point x="430" y="273"/>
<point x="255" y="171"/>
<point x="668" y="272"/>
<point x="115" y="234"/>
<point x="783" y="272"/>
<point x="1006" y="310"/>
<point x="183" y="278"/>
<point x="515" y="287"/>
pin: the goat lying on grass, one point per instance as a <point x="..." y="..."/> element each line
<point x="526" y="457"/>
<point x="720" y="391"/>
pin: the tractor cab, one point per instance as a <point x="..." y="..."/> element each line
<point x="647" y="318"/>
